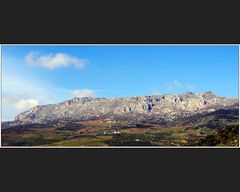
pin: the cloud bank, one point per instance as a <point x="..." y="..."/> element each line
<point x="22" y="92"/>
<point x="52" y="61"/>
<point x="24" y="104"/>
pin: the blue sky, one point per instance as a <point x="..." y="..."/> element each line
<point x="35" y="75"/>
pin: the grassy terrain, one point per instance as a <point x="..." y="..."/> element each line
<point x="84" y="141"/>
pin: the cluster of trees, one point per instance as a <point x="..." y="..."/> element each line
<point x="224" y="137"/>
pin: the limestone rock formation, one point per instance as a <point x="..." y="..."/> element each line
<point x="167" y="107"/>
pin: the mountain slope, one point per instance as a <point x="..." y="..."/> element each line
<point x="161" y="107"/>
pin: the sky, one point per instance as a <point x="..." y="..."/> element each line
<point x="36" y="75"/>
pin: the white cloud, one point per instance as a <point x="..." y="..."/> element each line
<point x="15" y="104"/>
<point x="24" y="104"/>
<point x="176" y="85"/>
<point x="52" y="61"/>
<point x="83" y="93"/>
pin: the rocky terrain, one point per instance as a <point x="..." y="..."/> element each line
<point x="159" y="107"/>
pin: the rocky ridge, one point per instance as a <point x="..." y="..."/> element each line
<point x="164" y="107"/>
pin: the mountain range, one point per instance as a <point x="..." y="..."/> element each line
<point x="188" y="119"/>
<point x="164" y="107"/>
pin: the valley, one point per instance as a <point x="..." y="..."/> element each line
<point x="218" y="128"/>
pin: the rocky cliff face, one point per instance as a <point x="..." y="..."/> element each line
<point x="167" y="107"/>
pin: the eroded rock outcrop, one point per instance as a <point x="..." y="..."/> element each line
<point x="165" y="106"/>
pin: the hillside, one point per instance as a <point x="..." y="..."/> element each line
<point x="164" y="120"/>
<point x="159" y="107"/>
